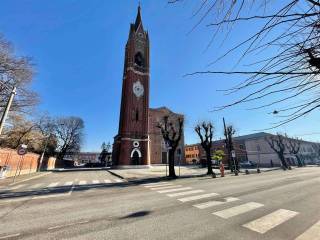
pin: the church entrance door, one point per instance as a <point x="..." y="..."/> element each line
<point x="135" y="159"/>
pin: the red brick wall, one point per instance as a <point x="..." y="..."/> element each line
<point x="51" y="163"/>
<point x="17" y="164"/>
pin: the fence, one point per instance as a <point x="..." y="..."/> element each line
<point x="16" y="164"/>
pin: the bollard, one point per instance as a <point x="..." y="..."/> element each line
<point x="258" y="170"/>
<point x="247" y="172"/>
<point x="222" y="169"/>
<point x="214" y="175"/>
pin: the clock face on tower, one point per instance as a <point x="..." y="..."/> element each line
<point x="138" y="89"/>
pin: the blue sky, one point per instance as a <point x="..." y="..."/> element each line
<point x="78" y="49"/>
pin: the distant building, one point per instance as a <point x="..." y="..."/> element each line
<point x="195" y="152"/>
<point x="88" y="157"/>
<point x="255" y="148"/>
<point x="75" y="159"/>
<point x="259" y="151"/>
<point x="192" y="153"/>
<point x="157" y="145"/>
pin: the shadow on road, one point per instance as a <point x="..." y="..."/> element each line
<point x="8" y="194"/>
<point x="137" y="214"/>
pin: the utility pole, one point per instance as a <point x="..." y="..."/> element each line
<point x="227" y="144"/>
<point x="7" y="108"/>
<point x="44" y="151"/>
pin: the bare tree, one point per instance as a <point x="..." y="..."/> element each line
<point x="278" y="145"/>
<point x="316" y="148"/>
<point x="105" y="151"/>
<point x="23" y="131"/>
<point x="229" y="132"/>
<point x="205" y="133"/>
<point x="18" y="72"/>
<point x="284" y="46"/>
<point x="172" y="131"/>
<point x="19" y="131"/>
<point x="69" y="133"/>
<point x="294" y="145"/>
<point x="47" y="127"/>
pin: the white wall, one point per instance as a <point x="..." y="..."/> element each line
<point x="267" y="154"/>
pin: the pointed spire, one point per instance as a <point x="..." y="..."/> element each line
<point x="138" y="19"/>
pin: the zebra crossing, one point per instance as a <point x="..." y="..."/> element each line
<point x="62" y="184"/>
<point x="259" y="225"/>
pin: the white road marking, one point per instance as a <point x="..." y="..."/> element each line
<point x="237" y="210"/>
<point x="107" y="181"/>
<point x="160" y="185"/>
<point x="50" y="196"/>
<point x="67" y="225"/>
<point x="118" y="180"/>
<point x="53" y="184"/>
<point x="192" y="198"/>
<point x="152" y="184"/>
<point x="265" y="223"/>
<point x="184" y="193"/>
<point x="17" y="187"/>
<point x="165" y="187"/>
<point x="215" y="203"/>
<point x="174" y="190"/>
<point x="95" y="181"/>
<point x="312" y="233"/>
<point x="38" y="176"/>
<point x="14" y="200"/>
<point x="71" y="190"/>
<point x="55" y="195"/>
<point x="82" y="182"/>
<point x="10" y="236"/>
<point x="68" y="183"/>
<point x="36" y="185"/>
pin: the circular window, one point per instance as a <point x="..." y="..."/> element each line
<point x="136" y="144"/>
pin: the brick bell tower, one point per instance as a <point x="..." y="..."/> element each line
<point x="131" y="145"/>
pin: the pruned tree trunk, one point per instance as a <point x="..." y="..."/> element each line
<point x="300" y="164"/>
<point x="172" y="172"/>
<point x="209" y="163"/>
<point x="172" y="131"/>
<point x="205" y="133"/>
<point x="283" y="161"/>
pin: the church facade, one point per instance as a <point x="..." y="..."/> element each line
<point x="139" y="141"/>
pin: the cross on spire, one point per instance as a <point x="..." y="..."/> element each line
<point x="138" y="19"/>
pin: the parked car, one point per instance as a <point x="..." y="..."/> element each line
<point x="248" y="164"/>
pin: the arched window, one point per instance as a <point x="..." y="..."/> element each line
<point x="138" y="59"/>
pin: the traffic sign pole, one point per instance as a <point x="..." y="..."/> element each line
<point x="233" y="155"/>
<point x="22" y="150"/>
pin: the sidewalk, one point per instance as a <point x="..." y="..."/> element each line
<point x="21" y="178"/>
<point x="159" y="171"/>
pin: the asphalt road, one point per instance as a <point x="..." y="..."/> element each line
<point x="97" y="205"/>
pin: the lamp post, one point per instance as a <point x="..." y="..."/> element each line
<point x="7" y="108"/>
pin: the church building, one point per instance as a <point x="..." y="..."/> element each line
<point x="139" y="142"/>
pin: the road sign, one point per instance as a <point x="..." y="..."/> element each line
<point x="233" y="153"/>
<point x="22" y="149"/>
